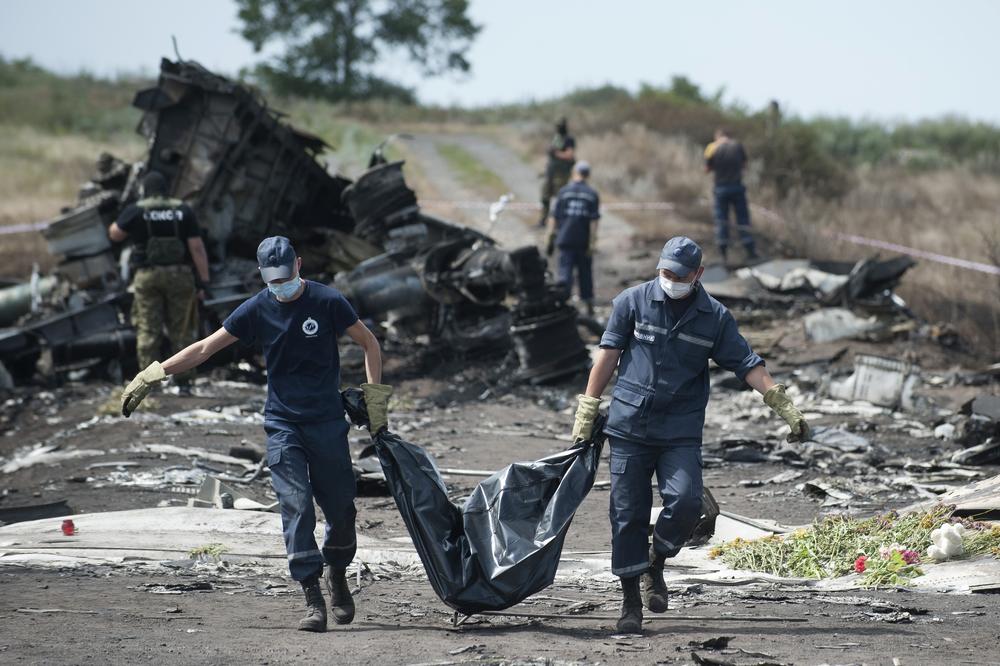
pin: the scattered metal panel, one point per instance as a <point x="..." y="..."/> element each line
<point x="16" y="301"/>
<point x="830" y="324"/>
<point x="987" y="406"/>
<point x="84" y="229"/>
<point x="20" y="514"/>
<point x="881" y="381"/>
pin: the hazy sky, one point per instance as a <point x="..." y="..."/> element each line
<point x="887" y="59"/>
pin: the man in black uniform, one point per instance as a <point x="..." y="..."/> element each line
<point x="726" y="159"/>
<point x="166" y="241"/>
<point x="573" y="229"/>
<point x="561" y="157"/>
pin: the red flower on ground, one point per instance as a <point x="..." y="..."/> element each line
<point x="910" y="556"/>
<point x="859" y="564"/>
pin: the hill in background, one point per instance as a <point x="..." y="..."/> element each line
<point x="933" y="185"/>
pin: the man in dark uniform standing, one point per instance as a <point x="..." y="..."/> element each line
<point x="296" y="323"/>
<point x="726" y="159"/>
<point x="660" y="337"/>
<point x="573" y="229"/>
<point x="561" y="156"/>
<point x="166" y="241"/>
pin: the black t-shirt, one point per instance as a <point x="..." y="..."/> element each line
<point x="561" y="142"/>
<point x="727" y="162"/>
<point x="299" y="342"/>
<point x="678" y="306"/>
<point x="164" y="217"/>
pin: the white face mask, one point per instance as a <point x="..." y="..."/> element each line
<point x="675" y="290"/>
<point x="285" y="290"/>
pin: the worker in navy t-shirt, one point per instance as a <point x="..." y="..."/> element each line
<point x="296" y="324"/>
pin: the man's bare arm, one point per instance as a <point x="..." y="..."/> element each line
<point x="760" y="379"/>
<point x="373" y="352"/>
<point x="604" y="368"/>
<point x="198" y="352"/>
<point x="116" y="233"/>
<point x="200" y="258"/>
<point x="566" y="154"/>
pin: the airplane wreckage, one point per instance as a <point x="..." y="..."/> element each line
<point x="248" y="174"/>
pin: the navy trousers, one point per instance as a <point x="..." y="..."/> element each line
<point x="678" y="475"/>
<point x="312" y="460"/>
<point x="570" y="259"/>
<point x="735" y="197"/>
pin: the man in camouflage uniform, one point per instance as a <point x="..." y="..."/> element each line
<point x="166" y="242"/>
<point x="562" y="156"/>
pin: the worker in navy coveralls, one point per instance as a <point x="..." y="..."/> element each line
<point x="573" y="229"/>
<point x="296" y="323"/>
<point x="660" y="337"/>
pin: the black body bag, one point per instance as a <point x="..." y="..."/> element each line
<point x="504" y="544"/>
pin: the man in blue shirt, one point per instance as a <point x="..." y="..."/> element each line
<point x="296" y="323"/>
<point x="573" y="229"/>
<point x="726" y="159"/>
<point x="660" y="337"/>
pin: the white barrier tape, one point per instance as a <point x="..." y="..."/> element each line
<point x="978" y="266"/>
<point x="522" y="205"/>
<point x="22" y="228"/>
<point x="914" y="252"/>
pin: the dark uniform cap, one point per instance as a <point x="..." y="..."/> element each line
<point x="276" y="258"/>
<point x="680" y="255"/>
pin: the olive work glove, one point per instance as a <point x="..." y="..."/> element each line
<point x="377" y="402"/>
<point x="586" y="412"/>
<point x="140" y="387"/>
<point x="781" y="404"/>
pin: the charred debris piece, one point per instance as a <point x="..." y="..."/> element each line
<point x="248" y="174"/>
<point x="838" y="300"/>
<point x="452" y="284"/>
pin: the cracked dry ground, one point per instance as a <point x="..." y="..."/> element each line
<point x="248" y="613"/>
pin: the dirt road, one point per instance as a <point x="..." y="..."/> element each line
<point x="517" y="226"/>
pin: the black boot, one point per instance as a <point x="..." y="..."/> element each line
<point x="654" y="590"/>
<point x="631" y="619"/>
<point x="341" y="601"/>
<point x="315" y="619"/>
<point x="724" y="251"/>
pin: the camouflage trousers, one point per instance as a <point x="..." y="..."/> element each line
<point x="555" y="179"/>
<point x="165" y="298"/>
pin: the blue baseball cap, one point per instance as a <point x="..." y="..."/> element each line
<point x="276" y="258"/>
<point x="680" y="255"/>
<point x="582" y="167"/>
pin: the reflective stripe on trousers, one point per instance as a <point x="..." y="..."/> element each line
<point x="312" y="461"/>
<point x="678" y="473"/>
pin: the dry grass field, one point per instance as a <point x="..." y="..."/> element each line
<point x="642" y="148"/>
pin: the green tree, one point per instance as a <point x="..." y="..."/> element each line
<point x="331" y="46"/>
